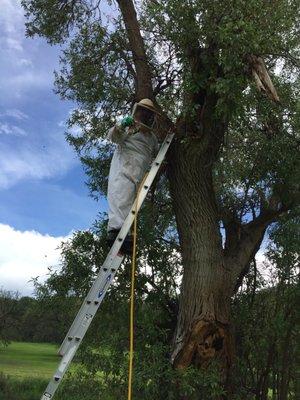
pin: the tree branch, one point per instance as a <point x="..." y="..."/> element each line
<point x="144" y="84"/>
<point x="244" y="240"/>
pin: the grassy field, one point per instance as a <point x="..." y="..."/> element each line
<point x="25" y="370"/>
<point x="29" y="360"/>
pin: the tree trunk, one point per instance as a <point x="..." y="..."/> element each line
<point x="202" y="331"/>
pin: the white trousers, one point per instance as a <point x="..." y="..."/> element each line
<point x="127" y="170"/>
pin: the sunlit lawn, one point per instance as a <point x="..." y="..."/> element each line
<point x="25" y="370"/>
<point x="35" y="360"/>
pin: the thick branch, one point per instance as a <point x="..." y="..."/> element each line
<point x="242" y="243"/>
<point x="144" y="85"/>
<point x="244" y="240"/>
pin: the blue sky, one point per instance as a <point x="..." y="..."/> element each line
<point x="43" y="195"/>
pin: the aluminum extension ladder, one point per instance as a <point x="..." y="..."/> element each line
<point x="102" y="282"/>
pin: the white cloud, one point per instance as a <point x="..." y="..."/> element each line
<point x="33" y="155"/>
<point x="33" y="161"/>
<point x="29" y="80"/>
<point x="25" y="63"/>
<point x="24" y="255"/>
<point x="9" y="129"/>
<point x="14" y="113"/>
<point x="12" y="22"/>
<point x="14" y="44"/>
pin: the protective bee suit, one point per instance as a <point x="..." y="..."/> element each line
<point x="132" y="157"/>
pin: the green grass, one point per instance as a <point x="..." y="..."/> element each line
<point x="29" y="360"/>
<point x="25" y="370"/>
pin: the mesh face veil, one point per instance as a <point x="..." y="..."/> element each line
<point x="145" y="113"/>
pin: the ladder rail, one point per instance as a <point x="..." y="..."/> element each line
<point x="103" y="280"/>
<point x="99" y="284"/>
<point x="118" y="242"/>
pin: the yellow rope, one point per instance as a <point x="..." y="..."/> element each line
<point x="133" y="264"/>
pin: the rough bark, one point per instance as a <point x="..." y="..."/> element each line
<point x="211" y="274"/>
<point x="202" y="330"/>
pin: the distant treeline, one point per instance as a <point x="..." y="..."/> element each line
<point x="33" y="320"/>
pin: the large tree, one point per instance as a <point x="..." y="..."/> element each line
<point x="212" y="69"/>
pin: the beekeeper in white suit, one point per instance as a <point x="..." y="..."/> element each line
<point x="137" y="145"/>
